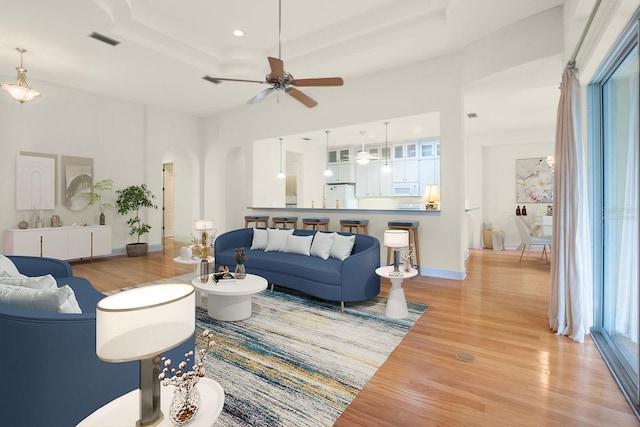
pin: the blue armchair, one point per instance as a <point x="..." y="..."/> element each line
<point x="51" y="374"/>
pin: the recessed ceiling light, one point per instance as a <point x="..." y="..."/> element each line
<point x="238" y="33"/>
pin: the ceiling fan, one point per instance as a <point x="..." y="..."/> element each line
<point x="363" y="156"/>
<point x="280" y="80"/>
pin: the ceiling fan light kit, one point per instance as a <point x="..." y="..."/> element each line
<point x="21" y="90"/>
<point x="280" y="80"/>
<point x="363" y="156"/>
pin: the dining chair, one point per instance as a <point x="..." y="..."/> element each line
<point x="529" y="240"/>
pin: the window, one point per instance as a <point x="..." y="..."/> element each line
<point x="613" y="143"/>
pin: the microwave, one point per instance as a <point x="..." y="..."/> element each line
<point x="406" y="189"/>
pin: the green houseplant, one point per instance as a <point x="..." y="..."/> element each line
<point x="132" y="199"/>
<point x="95" y="196"/>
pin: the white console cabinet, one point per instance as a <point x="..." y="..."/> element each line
<point x="59" y="242"/>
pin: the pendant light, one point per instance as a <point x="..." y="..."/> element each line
<point x="280" y="174"/>
<point x="362" y="157"/>
<point x="327" y="172"/>
<point x="386" y="168"/>
<point x="20" y="90"/>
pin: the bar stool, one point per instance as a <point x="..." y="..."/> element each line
<point x="412" y="227"/>
<point x="315" y="223"/>
<point x="257" y="220"/>
<point x="358" y="224"/>
<point x="285" y="221"/>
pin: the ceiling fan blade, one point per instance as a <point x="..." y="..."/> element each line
<point x="218" y="80"/>
<point x="261" y="96"/>
<point x="301" y="97"/>
<point x="277" y="67"/>
<point x="326" y="81"/>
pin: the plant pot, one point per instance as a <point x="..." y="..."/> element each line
<point x="137" y="249"/>
<point x="102" y="219"/>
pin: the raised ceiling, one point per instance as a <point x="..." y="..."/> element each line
<point x="168" y="45"/>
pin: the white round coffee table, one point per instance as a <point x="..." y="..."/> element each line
<point x="230" y="300"/>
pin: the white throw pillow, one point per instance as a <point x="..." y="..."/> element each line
<point x="277" y="240"/>
<point x="298" y="244"/>
<point x="342" y="246"/>
<point x="61" y="300"/>
<point x="38" y="282"/>
<point x="321" y="246"/>
<point x="8" y="268"/>
<point x="260" y="238"/>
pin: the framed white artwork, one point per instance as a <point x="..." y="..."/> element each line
<point x="77" y="179"/>
<point x="35" y="181"/>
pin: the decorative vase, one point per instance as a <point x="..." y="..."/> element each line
<point x="102" y="219"/>
<point x="204" y="271"/>
<point x="185" y="404"/>
<point x="240" y="271"/>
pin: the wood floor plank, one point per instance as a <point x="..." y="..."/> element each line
<point x="522" y="373"/>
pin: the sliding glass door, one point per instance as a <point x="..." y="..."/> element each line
<point x="616" y="186"/>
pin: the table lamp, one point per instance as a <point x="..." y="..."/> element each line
<point x="204" y="225"/>
<point x="431" y="196"/>
<point x="396" y="239"/>
<point x="139" y="324"/>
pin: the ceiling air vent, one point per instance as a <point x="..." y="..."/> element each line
<point x="472" y="115"/>
<point x="104" y="39"/>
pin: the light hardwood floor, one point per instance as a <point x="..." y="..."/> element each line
<point x="522" y="373"/>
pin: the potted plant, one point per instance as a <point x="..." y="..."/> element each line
<point x="95" y="196"/>
<point x="131" y="199"/>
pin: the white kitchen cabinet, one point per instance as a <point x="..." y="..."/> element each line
<point x="59" y="242"/>
<point x="406" y="170"/>
<point x="368" y="180"/>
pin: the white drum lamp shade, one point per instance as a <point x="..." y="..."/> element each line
<point x="140" y="324"/>
<point x="396" y="239"/>
<point x="204" y="224"/>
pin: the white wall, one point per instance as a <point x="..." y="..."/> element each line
<point x="126" y="141"/>
<point x="429" y="86"/>
<point x="499" y="182"/>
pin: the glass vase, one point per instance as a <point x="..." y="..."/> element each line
<point x="240" y="271"/>
<point x="185" y="404"/>
<point x="204" y="271"/>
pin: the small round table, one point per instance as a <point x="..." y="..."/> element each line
<point x="396" y="304"/>
<point x="195" y="261"/>
<point x="230" y="300"/>
<point x="125" y="410"/>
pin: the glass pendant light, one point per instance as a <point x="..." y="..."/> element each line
<point x="327" y="172"/>
<point x="386" y="168"/>
<point x="280" y="174"/>
<point x="20" y="90"/>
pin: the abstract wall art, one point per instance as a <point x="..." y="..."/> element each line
<point x="534" y="180"/>
<point x="35" y="181"/>
<point x="77" y="179"/>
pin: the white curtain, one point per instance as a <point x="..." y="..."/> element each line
<point x="626" y="313"/>
<point x="571" y="302"/>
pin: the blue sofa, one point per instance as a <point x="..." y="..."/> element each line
<point x="51" y="375"/>
<point x="353" y="279"/>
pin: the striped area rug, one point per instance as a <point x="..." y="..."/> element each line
<point x="297" y="361"/>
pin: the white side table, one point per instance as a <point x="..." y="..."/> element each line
<point x="195" y="261"/>
<point x="396" y="304"/>
<point x="125" y="410"/>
